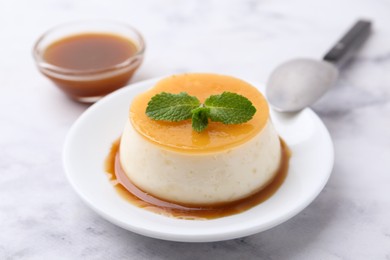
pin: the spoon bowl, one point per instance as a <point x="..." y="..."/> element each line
<point x="298" y="83"/>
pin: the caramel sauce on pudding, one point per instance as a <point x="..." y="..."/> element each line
<point x="91" y="64"/>
<point x="141" y="199"/>
<point x="179" y="136"/>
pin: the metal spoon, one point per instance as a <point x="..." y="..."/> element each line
<point x="298" y="83"/>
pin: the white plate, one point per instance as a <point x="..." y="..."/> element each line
<point x="90" y="138"/>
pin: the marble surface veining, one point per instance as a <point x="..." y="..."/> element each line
<point x="41" y="217"/>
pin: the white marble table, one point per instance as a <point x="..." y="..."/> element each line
<point x="41" y="217"/>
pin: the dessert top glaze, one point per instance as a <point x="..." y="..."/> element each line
<point x="179" y="136"/>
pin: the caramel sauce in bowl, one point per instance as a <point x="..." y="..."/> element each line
<point x="88" y="60"/>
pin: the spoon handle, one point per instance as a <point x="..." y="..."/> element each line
<point x="349" y="44"/>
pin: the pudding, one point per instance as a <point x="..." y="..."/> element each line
<point x="222" y="164"/>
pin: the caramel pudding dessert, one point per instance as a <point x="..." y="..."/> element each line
<point x="222" y="165"/>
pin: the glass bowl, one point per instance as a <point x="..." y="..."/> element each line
<point x="89" y="85"/>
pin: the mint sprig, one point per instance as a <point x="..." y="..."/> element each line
<point x="227" y="108"/>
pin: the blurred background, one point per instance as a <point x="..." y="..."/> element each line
<point x="42" y="218"/>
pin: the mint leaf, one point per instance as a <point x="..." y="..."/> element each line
<point x="171" y="107"/>
<point x="200" y="119"/>
<point x="230" y="108"/>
